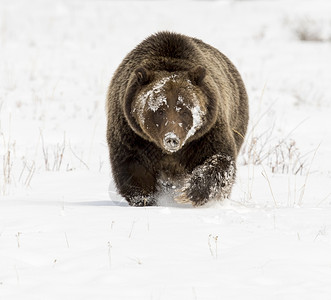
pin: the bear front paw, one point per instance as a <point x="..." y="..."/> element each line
<point x="194" y="191"/>
<point x="212" y="179"/>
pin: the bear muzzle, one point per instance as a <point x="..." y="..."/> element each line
<point x="171" y="142"/>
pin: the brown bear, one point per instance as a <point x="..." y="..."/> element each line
<point x="177" y="113"/>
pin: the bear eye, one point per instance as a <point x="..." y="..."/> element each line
<point x="160" y="112"/>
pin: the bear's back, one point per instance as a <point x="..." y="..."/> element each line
<point x="167" y="44"/>
<point x="172" y="52"/>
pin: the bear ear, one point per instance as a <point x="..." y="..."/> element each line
<point x="143" y="75"/>
<point x="197" y="74"/>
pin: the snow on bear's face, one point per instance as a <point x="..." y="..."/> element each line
<point x="169" y="110"/>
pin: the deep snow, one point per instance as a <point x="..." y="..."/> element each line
<point x="63" y="237"/>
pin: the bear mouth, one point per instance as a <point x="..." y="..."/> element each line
<point x="171" y="142"/>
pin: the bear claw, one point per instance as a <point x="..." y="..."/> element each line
<point x="142" y="201"/>
<point x="183" y="198"/>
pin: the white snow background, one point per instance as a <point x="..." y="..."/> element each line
<point x="63" y="237"/>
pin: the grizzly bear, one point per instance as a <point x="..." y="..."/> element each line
<point x="177" y="113"/>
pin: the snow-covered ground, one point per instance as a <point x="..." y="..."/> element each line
<point x="63" y="237"/>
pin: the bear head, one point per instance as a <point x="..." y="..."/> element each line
<point x="169" y="109"/>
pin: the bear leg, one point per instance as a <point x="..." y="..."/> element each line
<point x="135" y="183"/>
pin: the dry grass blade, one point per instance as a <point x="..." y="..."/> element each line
<point x="265" y="175"/>
<point x="303" y="188"/>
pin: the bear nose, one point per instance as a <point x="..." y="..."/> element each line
<point x="171" y="142"/>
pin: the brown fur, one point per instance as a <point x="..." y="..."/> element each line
<point x="205" y="162"/>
